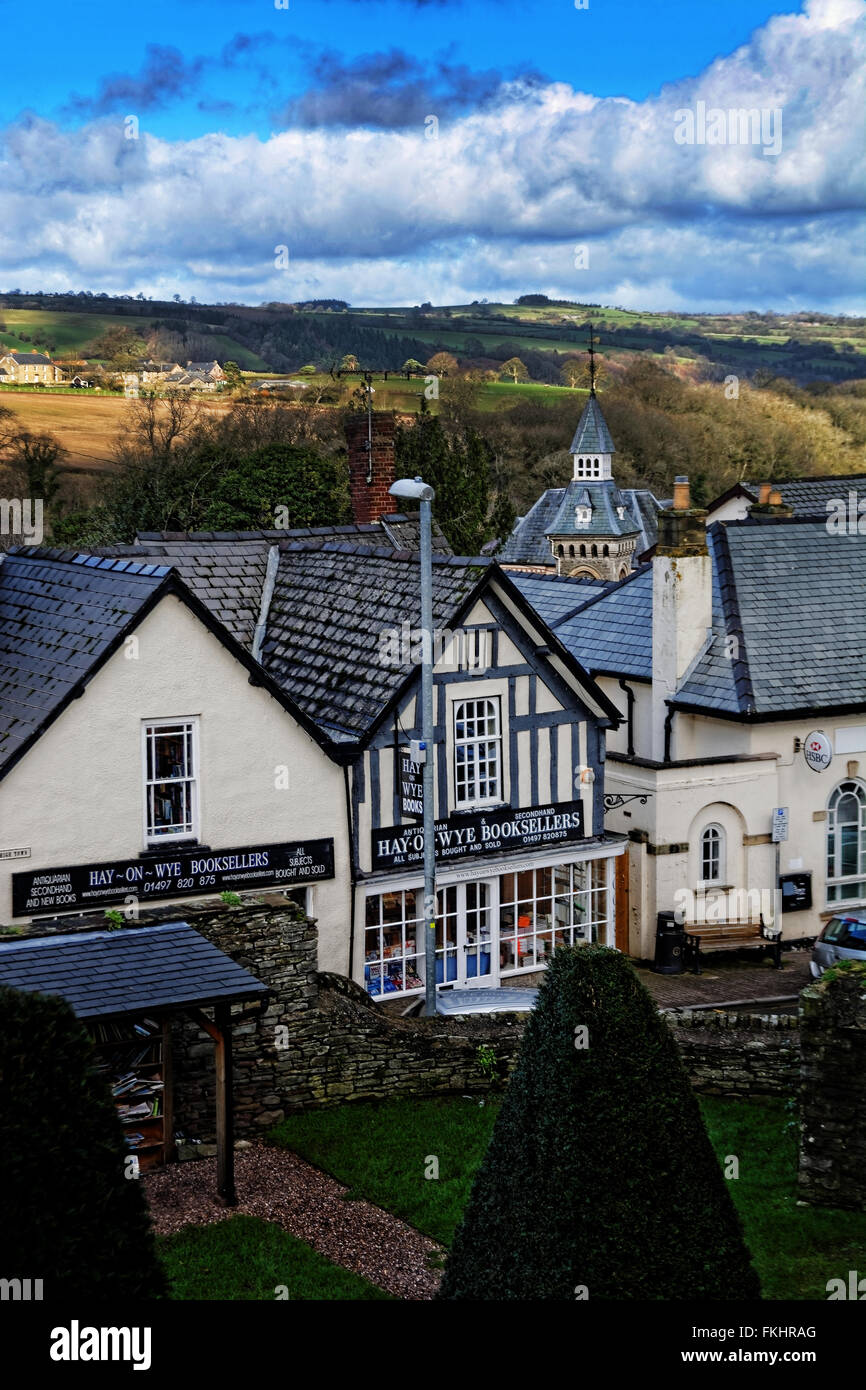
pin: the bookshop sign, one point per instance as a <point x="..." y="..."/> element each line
<point x="178" y="874"/>
<point x="484" y="832"/>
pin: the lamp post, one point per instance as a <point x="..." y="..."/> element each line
<point x="416" y="490"/>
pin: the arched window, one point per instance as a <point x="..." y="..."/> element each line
<point x="583" y="552"/>
<point x="560" y="550"/>
<point x="595" y="552"/>
<point x="571" y="552"/>
<point x="712" y="854"/>
<point x="605" y="550"/>
<point x="846" y="843"/>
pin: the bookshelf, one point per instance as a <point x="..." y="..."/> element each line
<point x="134" y="1055"/>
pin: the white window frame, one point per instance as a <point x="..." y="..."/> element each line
<point x="713" y="834"/>
<point x="152" y="841"/>
<point x="850" y="786"/>
<point x="598" y="900"/>
<point x="465" y="802"/>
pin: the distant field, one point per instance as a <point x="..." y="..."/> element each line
<point x="86" y="425"/>
<point x="398" y="394"/>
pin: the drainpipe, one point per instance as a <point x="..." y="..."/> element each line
<point x="669" y="721"/>
<point x="351" y="871"/>
<point x="629" y="715"/>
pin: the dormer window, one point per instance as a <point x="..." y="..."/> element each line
<point x="620" y="511"/>
<point x="582" y="515"/>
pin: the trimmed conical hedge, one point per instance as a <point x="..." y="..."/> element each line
<point x="71" y="1218"/>
<point x="600" y="1181"/>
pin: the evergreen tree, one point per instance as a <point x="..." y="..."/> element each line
<point x="71" y="1216"/>
<point x="600" y="1180"/>
<point x="459" y="469"/>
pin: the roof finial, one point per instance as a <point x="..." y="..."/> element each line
<point x="591" y="364"/>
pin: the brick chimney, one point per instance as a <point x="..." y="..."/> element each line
<point x="370" y="442"/>
<point x="682" y="602"/>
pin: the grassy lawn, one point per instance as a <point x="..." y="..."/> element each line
<point x="379" y="1151"/>
<point x="244" y="1258"/>
<point x="795" y="1249"/>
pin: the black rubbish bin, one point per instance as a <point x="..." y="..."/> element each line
<point x="670" y="945"/>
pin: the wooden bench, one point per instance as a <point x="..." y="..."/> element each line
<point x="729" y="936"/>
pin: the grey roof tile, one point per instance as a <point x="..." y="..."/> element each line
<point x="592" y="435"/>
<point x="58" y="616"/>
<point x="771" y="576"/>
<point x="334" y="608"/>
<point x="138" y="969"/>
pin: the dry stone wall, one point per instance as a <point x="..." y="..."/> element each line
<point x="319" y="1040"/>
<point x="731" y="1054"/>
<point x="833" y="1089"/>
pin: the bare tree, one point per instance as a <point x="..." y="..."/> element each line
<point x="155" y="425"/>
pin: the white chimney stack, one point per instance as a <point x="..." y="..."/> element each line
<point x="682" y="604"/>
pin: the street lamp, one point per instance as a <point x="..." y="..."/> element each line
<point x="415" y="490"/>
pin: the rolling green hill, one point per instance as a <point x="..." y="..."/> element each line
<point x="275" y="337"/>
<point x="68" y="333"/>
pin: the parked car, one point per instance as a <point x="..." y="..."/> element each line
<point x="843" y="938"/>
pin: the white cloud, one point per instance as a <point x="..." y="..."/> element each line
<point x="494" y="206"/>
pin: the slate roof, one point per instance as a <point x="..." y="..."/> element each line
<point x="135" y="970"/>
<point x="63" y="612"/>
<point x="644" y="507"/>
<point x="809" y="496"/>
<point x="612" y="632"/>
<point x="226" y="569"/>
<point x="794" y="596"/>
<point x="59" y="614"/>
<point x="592" y="435"/>
<point x="528" y="543"/>
<point x="29" y="359"/>
<point x="605" y="499"/>
<point x="332" y="608"/>
<point x="555" y="596"/>
<point x="769" y="575"/>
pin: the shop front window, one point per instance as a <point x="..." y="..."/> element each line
<point x="392" y="940"/>
<point x="540" y="909"/>
<point x="446" y="935"/>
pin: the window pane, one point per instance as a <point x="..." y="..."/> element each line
<point x="170" y="802"/>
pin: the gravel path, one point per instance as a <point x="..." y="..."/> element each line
<point x="278" y="1186"/>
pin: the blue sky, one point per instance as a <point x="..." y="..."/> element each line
<point x="555" y="166"/>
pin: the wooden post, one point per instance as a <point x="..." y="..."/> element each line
<point x="224" y="1109"/>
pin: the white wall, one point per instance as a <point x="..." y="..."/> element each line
<point x="77" y="795"/>
<point x="741" y="797"/>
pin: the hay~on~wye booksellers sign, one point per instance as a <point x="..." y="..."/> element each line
<point x="480" y="832"/>
<point x="180" y="873"/>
